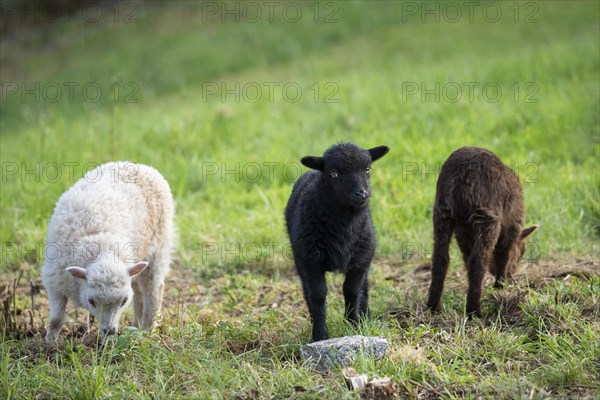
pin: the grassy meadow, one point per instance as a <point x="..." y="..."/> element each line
<point x="225" y="103"/>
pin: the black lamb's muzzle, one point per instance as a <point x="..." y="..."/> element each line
<point x="359" y="197"/>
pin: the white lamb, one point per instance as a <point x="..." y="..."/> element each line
<point x="109" y="242"/>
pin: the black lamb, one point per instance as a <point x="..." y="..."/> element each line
<point x="329" y="223"/>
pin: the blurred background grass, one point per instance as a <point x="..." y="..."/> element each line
<point x="357" y="65"/>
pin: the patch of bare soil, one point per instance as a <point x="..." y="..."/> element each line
<point x="414" y="285"/>
<point x="532" y="275"/>
<point x="24" y="312"/>
<point x="25" y="307"/>
<point x="541" y="273"/>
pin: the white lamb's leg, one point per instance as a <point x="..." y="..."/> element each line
<point x="152" y="304"/>
<point x="154" y="286"/>
<point x="58" y="304"/>
<point x="161" y="292"/>
<point x="138" y="304"/>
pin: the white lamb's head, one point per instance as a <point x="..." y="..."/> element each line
<point x="106" y="290"/>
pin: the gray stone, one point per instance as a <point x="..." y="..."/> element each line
<point x="326" y="354"/>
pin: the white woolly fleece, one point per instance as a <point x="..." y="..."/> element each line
<point x="117" y="215"/>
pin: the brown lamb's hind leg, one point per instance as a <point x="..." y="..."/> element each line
<point x="486" y="236"/>
<point x="501" y="254"/>
<point x="442" y="233"/>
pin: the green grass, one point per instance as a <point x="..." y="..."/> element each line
<point x="229" y="339"/>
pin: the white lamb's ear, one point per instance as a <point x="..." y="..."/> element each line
<point x="77" y="272"/>
<point x="137" y="268"/>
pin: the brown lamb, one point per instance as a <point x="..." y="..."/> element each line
<point x="480" y="200"/>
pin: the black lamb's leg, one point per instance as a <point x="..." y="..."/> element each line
<point x="356" y="294"/>
<point x="364" y="304"/>
<point x="315" y="292"/>
<point x="305" y="289"/>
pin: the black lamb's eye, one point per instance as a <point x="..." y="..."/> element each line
<point x="124" y="302"/>
<point x="333" y="174"/>
<point x="368" y="170"/>
<point x="92" y="302"/>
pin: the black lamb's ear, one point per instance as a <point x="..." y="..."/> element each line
<point x="378" y="152"/>
<point x="313" y="162"/>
